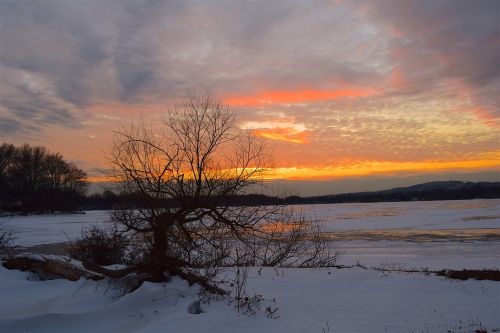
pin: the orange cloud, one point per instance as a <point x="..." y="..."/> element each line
<point x="379" y="167"/>
<point x="396" y="32"/>
<point x="489" y="119"/>
<point x="297" y="96"/>
<point x="286" y="134"/>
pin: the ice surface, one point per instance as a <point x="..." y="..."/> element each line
<point x="439" y="247"/>
<point x="34" y="230"/>
<point x="429" y="215"/>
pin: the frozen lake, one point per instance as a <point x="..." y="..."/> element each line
<point x="434" y="234"/>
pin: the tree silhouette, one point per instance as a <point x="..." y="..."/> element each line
<point x="184" y="179"/>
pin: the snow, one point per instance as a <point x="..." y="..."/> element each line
<point x="334" y="300"/>
<point x="309" y="300"/>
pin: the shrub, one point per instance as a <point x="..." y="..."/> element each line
<point x="6" y="240"/>
<point x="100" y="246"/>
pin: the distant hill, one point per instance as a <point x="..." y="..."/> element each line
<point x="442" y="190"/>
<point x="446" y="190"/>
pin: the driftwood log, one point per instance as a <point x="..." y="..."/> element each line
<point x="47" y="268"/>
<point x="54" y="268"/>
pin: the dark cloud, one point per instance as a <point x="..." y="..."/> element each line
<point x="53" y="39"/>
<point x="30" y="105"/>
<point x="445" y="47"/>
<point x="152" y="46"/>
<point x="9" y="126"/>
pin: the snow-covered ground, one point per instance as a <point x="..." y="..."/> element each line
<point x="446" y="234"/>
<point x="320" y="300"/>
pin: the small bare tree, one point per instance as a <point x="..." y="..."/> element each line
<point x="184" y="181"/>
<point x="6" y="239"/>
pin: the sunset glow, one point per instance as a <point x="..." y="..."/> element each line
<point x="378" y="167"/>
<point x="364" y="169"/>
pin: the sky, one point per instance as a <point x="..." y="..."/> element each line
<point x="344" y="93"/>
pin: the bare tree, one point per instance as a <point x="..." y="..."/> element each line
<point x="184" y="180"/>
<point x="7" y="151"/>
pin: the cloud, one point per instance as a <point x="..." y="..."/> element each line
<point x="298" y="96"/>
<point x="9" y="126"/>
<point x="380" y="80"/>
<point x="280" y="129"/>
<point x="443" y="47"/>
<point x="286" y="134"/>
<point x="28" y="104"/>
<point x="380" y="167"/>
<point x="152" y="51"/>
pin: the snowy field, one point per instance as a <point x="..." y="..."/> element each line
<point x="437" y="235"/>
<point x="347" y="300"/>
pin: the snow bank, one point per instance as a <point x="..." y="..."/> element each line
<point x="346" y="300"/>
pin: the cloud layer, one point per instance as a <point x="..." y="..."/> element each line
<point x="399" y="81"/>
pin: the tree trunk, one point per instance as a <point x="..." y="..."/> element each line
<point x="159" y="261"/>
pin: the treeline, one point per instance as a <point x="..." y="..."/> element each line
<point x="423" y="192"/>
<point x="112" y="200"/>
<point x="32" y="179"/>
